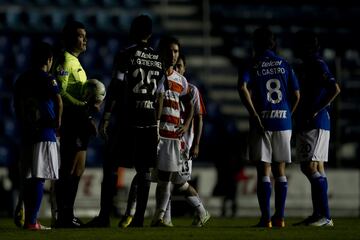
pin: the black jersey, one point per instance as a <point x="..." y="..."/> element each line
<point x="137" y="77"/>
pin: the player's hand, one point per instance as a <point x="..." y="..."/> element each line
<point x="258" y="123"/>
<point x="194" y="151"/>
<point x="92" y="127"/>
<point x="103" y="129"/>
<point x="182" y="130"/>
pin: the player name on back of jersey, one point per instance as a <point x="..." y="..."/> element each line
<point x="274" y="114"/>
<point x="270" y="68"/>
<point x="147" y="59"/>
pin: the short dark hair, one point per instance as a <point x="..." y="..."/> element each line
<point x="165" y="42"/>
<point x="141" y="28"/>
<point x="263" y="39"/>
<point x="306" y="43"/>
<point x="70" y="34"/>
<point x="40" y="54"/>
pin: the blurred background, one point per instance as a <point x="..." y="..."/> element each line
<point x="216" y="39"/>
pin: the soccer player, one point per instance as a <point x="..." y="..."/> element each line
<point x="133" y="106"/>
<point x="77" y="124"/>
<point x="318" y="89"/>
<point x="38" y="107"/>
<point x="189" y="150"/>
<point x="270" y="93"/>
<point x="171" y="129"/>
<point x="190" y="143"/>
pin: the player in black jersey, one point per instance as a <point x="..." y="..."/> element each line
<point x="130" y="119"/>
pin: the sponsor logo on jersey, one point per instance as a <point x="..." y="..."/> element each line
<point x="145" y="104"/>
<point x="63" y="73"/>
<point x="274" y="114"/>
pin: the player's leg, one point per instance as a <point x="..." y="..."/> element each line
<point x="192" y="197"/>
<point x="167" y="215"/>
<point x="131" y="204"/>
<point x="325" y="211"/>
<point x="260" y="152"/>
<point x="33" y="194"/>
<point x="264" y="192"/>
<point x="163" y="190"/>
<point x="108" y="188"/>
<point x="281" y="156"/>
<point x="281" y="187"/>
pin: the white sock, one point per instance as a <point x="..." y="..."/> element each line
<point x="167" y="216"/>
<point x="195" y="202"/>
<point x="164" y="196"/>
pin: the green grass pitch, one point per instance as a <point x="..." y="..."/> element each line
<point x="216" y="229"/>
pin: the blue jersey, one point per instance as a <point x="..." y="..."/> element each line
<point x="315" y="80"/>
<point x="36" y="90"/>
<point x="270" y="80"/>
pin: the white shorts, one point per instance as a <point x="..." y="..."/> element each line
<point x="45" y="161"/>
<point x="184" y="175"/>
<point x="312" y="145"/>
<point x="273" y="146"/>
<point x="169" y="159"/>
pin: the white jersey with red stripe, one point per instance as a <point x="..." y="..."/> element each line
<point x="199" y="109"/>
<point x="170" y="117"/>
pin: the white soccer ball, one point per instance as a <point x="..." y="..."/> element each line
<point x="94" y="90"/>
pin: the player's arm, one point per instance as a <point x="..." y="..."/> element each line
<point x="295" y="100"/>
<point x="332" y="89"/>
<point x="245" y="97"/>
<point x="113" y="92"/>
<point x="59" y="109"/>
<point x="199" y="111"/>
<point x="189" y="112"/>
<point x="198" y="126"/>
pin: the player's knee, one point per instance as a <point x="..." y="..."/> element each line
<point x="182" y="187"/>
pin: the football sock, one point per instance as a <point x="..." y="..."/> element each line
<point x="264" y="194"/>
<point x="325" y="211"/>
<point x="74" y="184"/>
<point x="195" y="202"/>
<point x="33" y="196"/>
<point x="131" y="202"/>
<point x="164" y="196"/>
<point x="108" y="190"/>
<point x="143" y="180"/>
<point x="167" y="215"/>
<point x="281" y="187"/>
<point x="315" y="193"/>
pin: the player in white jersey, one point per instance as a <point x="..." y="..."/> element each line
<point x="270" y="92"/>
<point x="190" y="142"/>
<point x="319" y="88"/>
<point x="171" y="129"/>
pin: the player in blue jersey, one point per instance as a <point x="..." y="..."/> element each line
<point x="130" y="119"/>
<point x="270" y="92"/>
<point x="318" y="89"/>
<point x="38" y="107"/>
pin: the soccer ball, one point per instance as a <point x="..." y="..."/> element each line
<point x="94" y="90"/>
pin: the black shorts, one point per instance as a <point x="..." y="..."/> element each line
<point x="134" y="147"/>
<point x="74" y="133"/>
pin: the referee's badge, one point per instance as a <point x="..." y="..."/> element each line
<point x="54" y="82"/>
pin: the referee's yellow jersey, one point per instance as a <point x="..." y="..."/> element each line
<point x="71" y="77"/>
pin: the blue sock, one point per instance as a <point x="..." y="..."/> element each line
<point x="33" y="197"/>
<point x="264" y="194"/>
<point x="281" y="187"/>
<point x="39" y="192"/>
<point x="315" y="193"/>
<point x="324" y="198"/>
